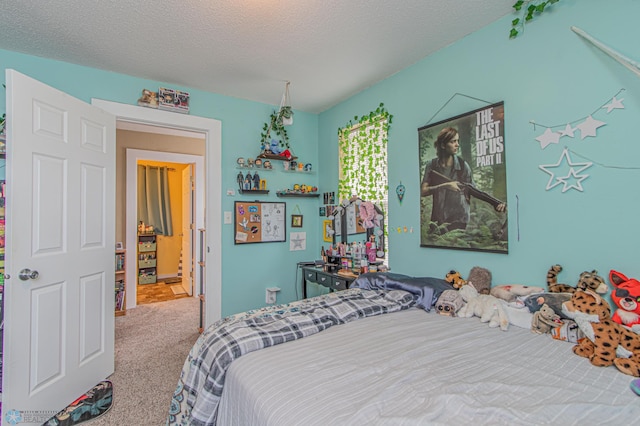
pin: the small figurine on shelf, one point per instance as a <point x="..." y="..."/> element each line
<point x="266" y="164"/>
<point x="275" y="147"/>
<point x="240" y="179"/>
<point x="148" y="99"/>
<point x="256" y="181"/>
<point x="247" y="182"/>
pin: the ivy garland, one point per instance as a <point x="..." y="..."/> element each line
<point x="530" y="9"/>
<point x="275" y="125"/>
<point x="362" y="145"/>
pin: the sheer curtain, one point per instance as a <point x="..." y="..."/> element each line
<point x="154" y="204"/>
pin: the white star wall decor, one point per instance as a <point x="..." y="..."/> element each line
<point x="548" y="137"/>
<point x="589" y="126"/>
<point x="568" y="131"/>
<point x="571" y="179"/>
<point x="614" y="104"/>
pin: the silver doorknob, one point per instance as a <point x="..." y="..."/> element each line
<point x="28" y="274"/>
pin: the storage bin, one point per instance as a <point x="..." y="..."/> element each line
<point x="148" y="263"/>
<point x="142" y="247"/>
<point x="147" y="279"/>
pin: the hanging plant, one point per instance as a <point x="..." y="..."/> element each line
<point x="530" y="9"/>
<point x="275" y="146"/>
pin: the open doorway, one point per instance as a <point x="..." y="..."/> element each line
<point x="168" y="268"/>
<point x="209" y="239"/>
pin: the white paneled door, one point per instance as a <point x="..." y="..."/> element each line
<point x="59" y="298"/>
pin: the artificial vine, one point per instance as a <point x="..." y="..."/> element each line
<point x="275" y="125"/>
<point x="529" y="9"/>
<point x="363" y="149"/>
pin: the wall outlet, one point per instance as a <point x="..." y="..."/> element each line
<point x="270" y="294"/>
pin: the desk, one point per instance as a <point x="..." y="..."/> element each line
<point x="332" y="280"/>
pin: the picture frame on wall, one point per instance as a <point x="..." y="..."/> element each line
<point x="296" y="221"/>
<point x="463" y="183"/>
<point x="327" y="231"/>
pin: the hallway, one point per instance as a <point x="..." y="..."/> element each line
<point x="158" y="292"/>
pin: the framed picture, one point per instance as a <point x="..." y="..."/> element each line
<point x="327" y="231"/>
<point x="296" y="221"/>
<point x="463" y="182"/>
<point x="119" y="245"/>
<point x="323" y="211"/>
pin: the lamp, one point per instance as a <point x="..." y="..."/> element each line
<point x="285" y="113"/>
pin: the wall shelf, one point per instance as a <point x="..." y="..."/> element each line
<point x="276" y="157"/>
<point x="253" y="191"/>
<point x="294" y="194"/>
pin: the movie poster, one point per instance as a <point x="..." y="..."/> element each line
<point x="463" y="177"/>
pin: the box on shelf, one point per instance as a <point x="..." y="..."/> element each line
<point x="173" y="100"/>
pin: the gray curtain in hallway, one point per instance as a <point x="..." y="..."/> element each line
<point x="154" y="204"/>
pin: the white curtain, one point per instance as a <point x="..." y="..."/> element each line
<point x="154" y="204"/>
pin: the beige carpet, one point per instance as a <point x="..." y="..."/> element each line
<point x="152" y="342"/>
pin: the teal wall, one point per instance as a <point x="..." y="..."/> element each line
<point x="548" y="74"/>
<point x="551" y="76"/>
<point x="248" y="269"/>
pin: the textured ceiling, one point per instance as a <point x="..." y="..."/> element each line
<point x="328" y="49"/>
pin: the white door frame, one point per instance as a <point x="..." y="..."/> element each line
<point x="212" y="130"/>
<point x="131" y="214"/>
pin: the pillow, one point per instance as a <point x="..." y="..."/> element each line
<point x="520" y="317"/>
<point x="510" y="292"/>
<point x="554" y="300"/>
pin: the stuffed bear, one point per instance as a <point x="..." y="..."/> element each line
<point x="480" y="278"/>
<point x="455" y="279"/>
<point x="607" y="342"/>
<point x="587" y="280"/>
<point x="544" y="320"/>
<point x="490" y="309"/>
<point x="626" y="296"/>
<point x="449" y="303"/>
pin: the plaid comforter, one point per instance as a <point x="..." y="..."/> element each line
<point x="195" y="401"/>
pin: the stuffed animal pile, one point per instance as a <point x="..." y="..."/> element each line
<point x="449" y="303"/>
<point x="587" y="280"/>
<point x="626" y="296"/>
<point x="607" y="341"/>
<point x="455" y="279"/>
<point x="489" y="308"/>
<point x="544" y="320"/>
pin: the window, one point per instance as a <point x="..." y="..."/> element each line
<point x="363" y="160"/>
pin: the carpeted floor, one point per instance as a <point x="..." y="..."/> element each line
<point x="152" y="342"/>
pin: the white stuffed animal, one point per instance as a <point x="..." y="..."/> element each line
<point x="489" y="308"/>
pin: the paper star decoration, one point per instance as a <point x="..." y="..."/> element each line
<point x="614" y="104"/>
<point x="548" y="137"/>
<point x="589" y="126"/>
<point x="568" y="131"/>
<point x="573" y="174"/>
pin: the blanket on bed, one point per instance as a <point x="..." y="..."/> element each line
<point x="197" y="396"/>
<point x="425" y="289"/>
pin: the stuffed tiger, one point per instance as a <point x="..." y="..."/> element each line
<point x="588" y="280"/>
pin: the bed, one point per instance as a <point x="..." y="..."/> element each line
<point x="400" y="365"/>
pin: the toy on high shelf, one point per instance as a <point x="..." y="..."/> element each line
<point x="173" y="100"/>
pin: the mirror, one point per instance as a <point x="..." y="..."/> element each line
<point x="355" y="217"/>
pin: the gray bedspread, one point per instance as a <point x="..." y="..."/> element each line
<point x="197" y="396"/>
